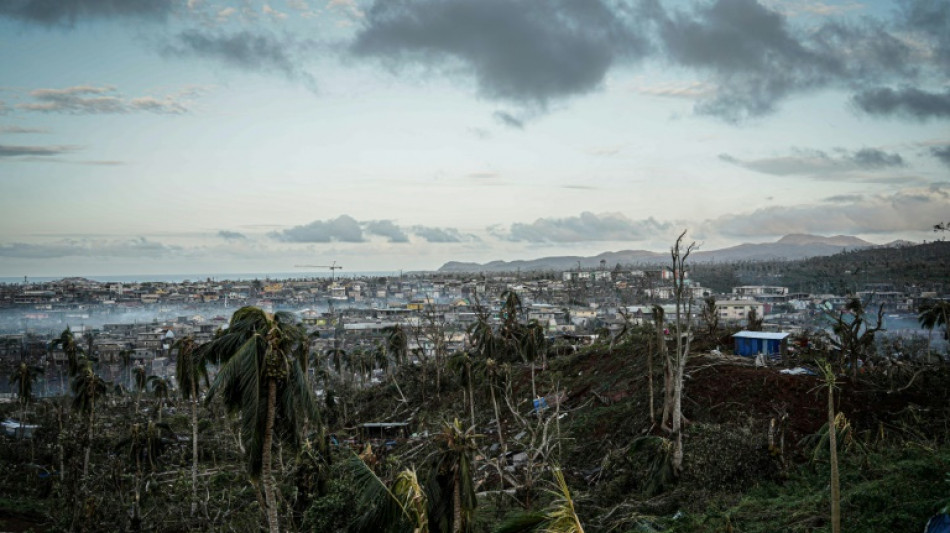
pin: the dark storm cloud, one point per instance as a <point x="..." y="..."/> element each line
<point x="386" y="228"/>
<point x="68" y="12"/>
<point x="441" y="235"/>
<point x="757" y="59"/>
<point x="7" y="150"/>
<point x="255" y="51"/>
<point x="907" y="102"/>
<point x="584" y="228"/>
<point x="942" y="153"/>
<point x="140" y="247"/>
<point x="820" y="164"/>
<point x="930" y="18"/>
<point x="872" y="158"/>
<point x="231" y="235"/>
<point x="343" y="229"/>
<point x="523" y="52"/>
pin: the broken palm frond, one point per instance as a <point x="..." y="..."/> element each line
<point x="845" y="436"/>
<point x="659" y="456"/>
<point x="559" y="517"/>
<point x="386" y="510"/>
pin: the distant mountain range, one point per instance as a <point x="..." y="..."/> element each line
<point x="789" y="247"/>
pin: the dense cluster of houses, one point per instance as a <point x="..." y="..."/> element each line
<point x="355" y="313"/>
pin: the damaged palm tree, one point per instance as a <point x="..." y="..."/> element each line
<point x="855" y="332"/>
<point x="829" y="376"/>
<point x="451" y="477"/>
<point x="262" y="380"/>
<point x="190" y="368"/>
<point x="399" y="507"/>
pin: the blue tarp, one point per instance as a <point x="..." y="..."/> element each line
<point x="938" y="524"/>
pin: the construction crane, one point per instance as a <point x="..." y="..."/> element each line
<point x="333" y="268"/>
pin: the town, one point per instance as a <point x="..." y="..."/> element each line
<point x="136" y="324"/>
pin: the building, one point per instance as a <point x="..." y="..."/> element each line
<point x="752" y="343"/>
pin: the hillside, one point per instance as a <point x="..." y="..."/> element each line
<point x="789" y="247"/>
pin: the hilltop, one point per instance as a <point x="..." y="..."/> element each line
<point x="789" y="247"/>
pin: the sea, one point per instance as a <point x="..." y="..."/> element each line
<point x="204" y="276"/>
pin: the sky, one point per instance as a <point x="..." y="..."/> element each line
<point x="180" y="136"/>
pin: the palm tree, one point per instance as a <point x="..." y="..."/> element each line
<point x="935" y="314"/>
<point x="461" y="363"/>
<point x="829" y="378"/>
<point x="451" y="476"/>
<point x="140" y="379"/>
<point x="160" y="388"/>
<point x="67" y="341"/>
<point x="145" y="443"/>
<point x="398" y="507"/>
<point x="337" y="355"/>
<point x="87" y="388"/>
<point x="262" y="380"/>
<point x="397" y="343"/>
<point x="533" y="344"/>
<point x="495" y="372"/>
<point x="23" y="378"/>
<point x="125" y="357"/>
<point x="190" y="368"/>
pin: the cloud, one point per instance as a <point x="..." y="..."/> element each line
<point x="907" y="102"/>
<point x="252" y="51"/>
<point x="507" y="119"/>
<point x="523" y="52"/>
<point x="88" y="99"/>
<point x="819" y="164"/>
<point x="68" y="12"/>
<point x="232" y="235"/>
<point x="21" y="130"/>
<point x="844" y="198"/>
<point x="690" y="90"/>
<point x="7" y="150"/>
<point x="930" y="19"/>
<point x="273" y="13"/>
<point x="140" y="247"/>
<point x="386" y="228"/>
<point x="908" y="210"/>
<point x="3" y="108"/>
<point x="442" y="235"/>
<point x="585" y="228"/>
<point x="343" y="229"/>
<point x="942" y="153"/>
<point x="756" y="59"/>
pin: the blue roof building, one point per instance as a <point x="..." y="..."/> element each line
<point x="752" y="343"/>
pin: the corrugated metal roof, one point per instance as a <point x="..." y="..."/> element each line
<point x="761" y="335"/>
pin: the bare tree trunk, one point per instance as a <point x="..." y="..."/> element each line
<point x="137" y="504"/>
<point x="267" y="478"/>
<point x="85" y="462"/>
<point x="471" y="391"/>
<point x="194" y="446"/>
<point x="501" y="437"/>
<point x="457" y="504"/>
<point x="833" y="446"/>
<point x="650" y="383"/>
